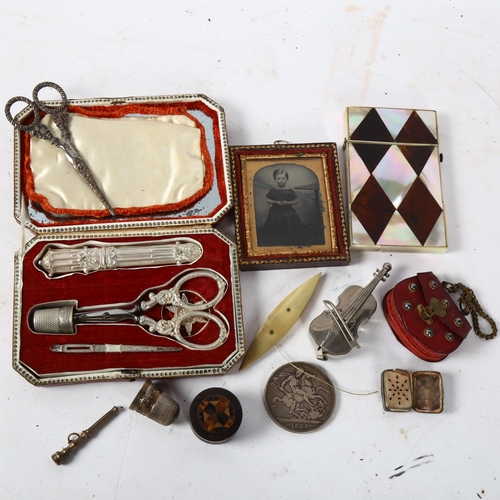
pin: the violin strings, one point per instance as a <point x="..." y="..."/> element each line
<point x="321" y="380"/>
<point x="349" y="312"/>
<point x="358" y="301"/>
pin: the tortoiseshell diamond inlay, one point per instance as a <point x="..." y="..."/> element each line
<point x="216" y="413"/>
<point x="395" y="191"/>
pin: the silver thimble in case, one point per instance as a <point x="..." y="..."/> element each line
<point x="154" y="404"/>
<point x="54" y="320"/>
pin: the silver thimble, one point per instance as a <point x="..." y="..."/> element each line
<point x="54" y="320"/>
<point x="154" y="404"/>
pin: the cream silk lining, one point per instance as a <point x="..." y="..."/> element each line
<point x="137" y="162"/>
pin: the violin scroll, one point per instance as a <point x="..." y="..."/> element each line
<point x="385" y="272"/>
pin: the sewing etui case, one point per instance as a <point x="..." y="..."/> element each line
<point x="162" y="161"/>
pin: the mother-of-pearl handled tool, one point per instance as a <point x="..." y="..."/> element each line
<point x="281" y="319"/>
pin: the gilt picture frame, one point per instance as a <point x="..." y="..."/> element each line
<point x="288" y="208"/>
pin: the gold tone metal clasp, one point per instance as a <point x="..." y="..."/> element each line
<point x="435" y="308"/>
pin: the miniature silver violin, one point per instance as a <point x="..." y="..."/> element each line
<point x="62" y="317"/>
<point x="335" y="330"/>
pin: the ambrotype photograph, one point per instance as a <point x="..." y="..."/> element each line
<point x="288" y="210"/>
<point x="286" y="215"/>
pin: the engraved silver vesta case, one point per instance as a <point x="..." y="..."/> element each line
<point x="149" y="289"/>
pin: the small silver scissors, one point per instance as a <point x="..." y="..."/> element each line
<point x="60" y="116"/>
<point x="182" y="314"/>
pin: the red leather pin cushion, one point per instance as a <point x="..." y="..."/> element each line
<point x="424" y="318"/>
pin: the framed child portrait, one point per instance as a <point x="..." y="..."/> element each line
<point x="288" y="207"/>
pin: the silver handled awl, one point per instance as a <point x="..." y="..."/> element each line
<point x="110" y="348"/>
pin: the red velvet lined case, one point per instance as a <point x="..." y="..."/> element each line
<point x="192" y="218"/>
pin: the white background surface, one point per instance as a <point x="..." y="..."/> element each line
<point x="282" y="70"/>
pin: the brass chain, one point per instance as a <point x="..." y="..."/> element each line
<point x="470" y="305"/>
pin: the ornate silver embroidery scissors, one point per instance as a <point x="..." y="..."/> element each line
<point x="60" y="115"/>
<point x="183" y="315"/>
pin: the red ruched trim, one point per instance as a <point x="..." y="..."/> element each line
<point x="118" y="111"/>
